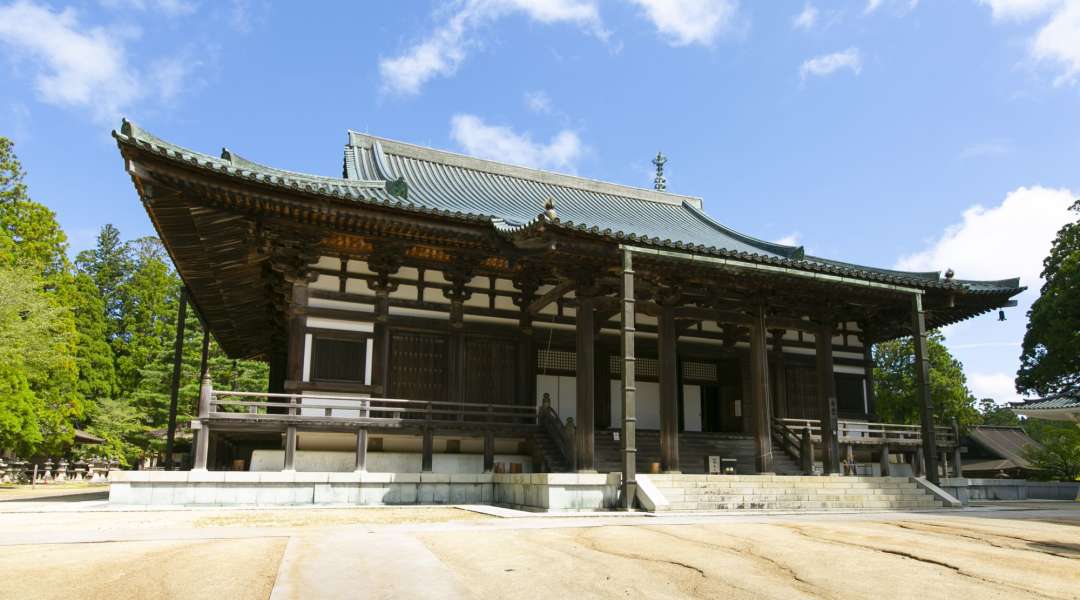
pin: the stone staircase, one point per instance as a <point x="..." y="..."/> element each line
<point x="693" y="448"/>
<point x="688" y="493"/>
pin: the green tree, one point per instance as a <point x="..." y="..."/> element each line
<point x="894" y="383"/>
<point x="108" y="264"/>
<point x="38" y="377"/>
<point x="37" y="323"/>
<point x="1059" y="456"/>
<point x="993" y="413"/>
<point x="1050" y="359"/>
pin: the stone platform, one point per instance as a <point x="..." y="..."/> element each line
<point x="539" y="491"/>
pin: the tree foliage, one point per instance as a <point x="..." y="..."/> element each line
<point x="89" y="344"/>
<point x="894" y="383"/>
<point x="1059" y="456"/>
<point x="1050" y="359"/>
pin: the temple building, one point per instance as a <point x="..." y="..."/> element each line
<point x="434" y="312"/>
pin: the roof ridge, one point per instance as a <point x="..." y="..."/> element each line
<point x="494" y="167"/>
<point x="792" y="252"/>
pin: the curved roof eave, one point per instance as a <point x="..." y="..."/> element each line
<point x="373" y="192"/>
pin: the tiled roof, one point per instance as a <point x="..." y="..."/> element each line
<point x="511" y="200"/>
<point x="1006" y="442"/>
<point x="1063" y="401"/>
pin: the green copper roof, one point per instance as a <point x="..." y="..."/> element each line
<point x="512" y="199"/>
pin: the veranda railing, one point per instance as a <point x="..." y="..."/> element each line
<point x="300" y="407"/>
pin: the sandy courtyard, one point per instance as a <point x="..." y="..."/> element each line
<point x="86" y="550"/>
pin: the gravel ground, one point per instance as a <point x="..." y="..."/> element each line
<point x="446" y="552"/>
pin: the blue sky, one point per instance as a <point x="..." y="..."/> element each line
<point x="924" y="135"/>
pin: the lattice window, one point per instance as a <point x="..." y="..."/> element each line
<point x="643" y="367"/>
<point x="556" y="361"/>
<point x="699" y="371"/>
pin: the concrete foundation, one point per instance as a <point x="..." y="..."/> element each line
<point x="323" y="461"/>
<point x="544" y="491"/>
<point x="967" y="490"/>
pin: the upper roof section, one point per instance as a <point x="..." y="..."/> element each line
<point x="513" y="197"/>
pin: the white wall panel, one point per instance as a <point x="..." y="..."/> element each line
<point x="692" y="407"/>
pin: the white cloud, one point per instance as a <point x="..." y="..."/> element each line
<point x="538" y="101"/>
<point x="1058" y="42"/>
<point x="441" y="53"/>
<point x="1007" y="240"/>
<point x="901" y="7"/>
<point x="173" y="8"/>
<point x="86" y="67"/>
<point x="1019" y="10"/>
<point x="1001" y="387"/>
<point x="792" y="239"/>
<point x="685" y="22"/>
<point x="496" y="142"/>
<point x="806" y="19"/>
<point x="79" y="67"/>
<point x="821" y="66"/>
<point x="982" y="149"/>
<point x="1002" y="241"/>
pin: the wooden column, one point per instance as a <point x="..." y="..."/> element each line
<point x="826" y="396"/>
<point x="586" y="384"/>
<point x="778" y="389"/>
<point x="290" y="448"/>
<point x="174" y="385"/>
<point x="886" y="463"/>
<point x="602" y="380"/>
<point x="759" y="392"/>
<point x="278" y="363"/>
<point x="489" y="451"/>
<point x="868" y="360"/>
<point x="667" y="350"/>
<point x="427" y="450"/>
<point x="361" y="450"/>
<point x="294" y="371"/>
<point x="202" y="434"/>
<point x="958" y="463"/>
<point x="628" y="437"/>
<point x="922" y="388"/>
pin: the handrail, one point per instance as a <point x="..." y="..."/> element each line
<point x="373" y="410"/>
<point x="552" y="424"/>
<point x="867" y="432"/>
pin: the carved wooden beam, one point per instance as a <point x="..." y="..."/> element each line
<point x="550" y="296"/>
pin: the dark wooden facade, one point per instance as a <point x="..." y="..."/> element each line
<point x="442" y="307"/>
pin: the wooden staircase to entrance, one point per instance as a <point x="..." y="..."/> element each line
<point x="697" y="493"/>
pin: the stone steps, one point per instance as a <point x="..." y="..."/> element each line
<point x="774" y="492"/>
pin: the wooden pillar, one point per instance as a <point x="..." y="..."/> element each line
<point x="778" y="389"/>
<point x="922" y="387"/>
<point x="667" y="350"/>
<point x="806" y="452"/>
<point x="958" y="465"/>
<point x="290" y="448"/>
<point x="602" y="396"/>
<point x="886" y="466"/>
<point x="202" y="434"/>
<point x="586" y="384"/>
<point x="918" y="465"/>
<point x="489" y="451"/>
<point x="759" y="392"/>
<point x="628" y="437"/>
<point x="361" y="450"/>
<point x="427" y="450"/>
<point x="279" y="359"/>
<point x="174" y="386"/>
<point x="826" y="397"/>
<point x="526" y="370"/>
<point x="297" y="324"/>
<point x="868" y="360"/>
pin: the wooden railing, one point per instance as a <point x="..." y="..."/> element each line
<point x="789" y="431"/>
<point x="558" y="432"/>
<point x="375" y="411"/>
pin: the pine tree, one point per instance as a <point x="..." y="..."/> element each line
<point x="894" y="383"/>
<point x="1050" y="359"/>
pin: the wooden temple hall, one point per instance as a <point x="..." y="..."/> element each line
<point x="428" y="311"/>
